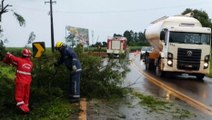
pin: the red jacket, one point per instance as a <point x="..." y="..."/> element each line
<point x="24" y="68"/>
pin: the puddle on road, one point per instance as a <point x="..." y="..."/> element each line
<point x="141" y="84"/>
<point x="158" y="108"/>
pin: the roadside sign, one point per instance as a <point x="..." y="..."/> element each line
<point x="38" y="49"/>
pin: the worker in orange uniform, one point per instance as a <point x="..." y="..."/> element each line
<point x="23" y="77"/>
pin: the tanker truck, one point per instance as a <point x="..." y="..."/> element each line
<point x="180" y="45"/>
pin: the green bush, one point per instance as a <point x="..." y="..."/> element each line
<point x="210" y="73"/>
<point x="47" y="99"/>
<point x="102" y="80"/>
<point x="49" y="91"/>
<point x="95" y="49"/>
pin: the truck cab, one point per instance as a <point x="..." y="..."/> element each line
<point x="181" y="45"/>
<point x="116" y="46"/>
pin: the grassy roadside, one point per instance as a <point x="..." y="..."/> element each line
<point x="49" y="91"/>
<point x="210" y="73"/>
<point x="43" y="105"/>
<point x="136" y="105"/>
<point x="48" y="100"/>
<point x="161" y="106"/>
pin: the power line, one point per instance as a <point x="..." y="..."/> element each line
<point x="119" y="11"/>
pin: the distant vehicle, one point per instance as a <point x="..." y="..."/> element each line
<point x="116" y="46"/>
<point x="144" y="50"/>
<point x="181" y="45"/>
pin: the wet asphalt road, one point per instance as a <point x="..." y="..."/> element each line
<point x="131" y="109"/>
<point x="188" y="85"/>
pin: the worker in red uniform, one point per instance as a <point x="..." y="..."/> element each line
<point x="23" y="77"/>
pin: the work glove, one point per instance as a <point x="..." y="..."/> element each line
<point x="74" y="67"/>
<point x="7" y="59"/>
<point x="8" y="54"/>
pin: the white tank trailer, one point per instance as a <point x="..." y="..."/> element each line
<point x="180" y="45"/>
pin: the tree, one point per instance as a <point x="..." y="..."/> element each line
<point x="128" y="36"/>
<point x="132" y="35"/>
<point x="117" y="35"/>
<point x="141" y="37"/>
<point x="136" y="36"/>
<point x="104" y="44"/>
<point x="20" y="19"/>
<point x="31" y="38"/>
<point x="200" y="15"/>
<point x="4" y="9"/>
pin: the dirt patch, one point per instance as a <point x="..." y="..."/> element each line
<point x="75" y="110"/>
<point x="104" y="110"/>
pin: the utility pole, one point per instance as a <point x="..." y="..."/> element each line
<point x="51" y="20"/>
<point x="2" y="11"/>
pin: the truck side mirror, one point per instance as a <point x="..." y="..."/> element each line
<point x="162" y="35"/>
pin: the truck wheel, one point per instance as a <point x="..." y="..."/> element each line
<point x="147" y="64"/>
<point x="200" y="76"/>
<point x="158" y="71"/>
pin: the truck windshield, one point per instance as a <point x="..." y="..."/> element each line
<point x="189" y="38"/>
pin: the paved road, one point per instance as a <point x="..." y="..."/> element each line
<point x="198" y="91"/>
<point x="130" y="109"/>
<point x="188" y="85"/>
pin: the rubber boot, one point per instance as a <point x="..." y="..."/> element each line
<point x="24" y="108"/>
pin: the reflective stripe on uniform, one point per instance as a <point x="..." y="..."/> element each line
<point x="78" y="70"/>
<point x="75" y="96"/>
<point x="74" y="59"/>
<point x="20" y="103"/>
<point x="14" y="63"/>
<point x="24" y="73"/>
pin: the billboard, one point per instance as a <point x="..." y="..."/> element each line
<point x="76" y="35"/>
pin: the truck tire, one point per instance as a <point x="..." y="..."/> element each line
<point x="200" y="76"/>
<point x="147" y="64"/>
<point x="141" y="56"/>
<point x="158" y="71"/>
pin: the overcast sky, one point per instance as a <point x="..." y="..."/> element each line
<point x="104" y="17"/>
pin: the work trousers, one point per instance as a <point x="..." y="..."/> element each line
<point x="22" y="92"/>
<point x="74" y="85"/>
